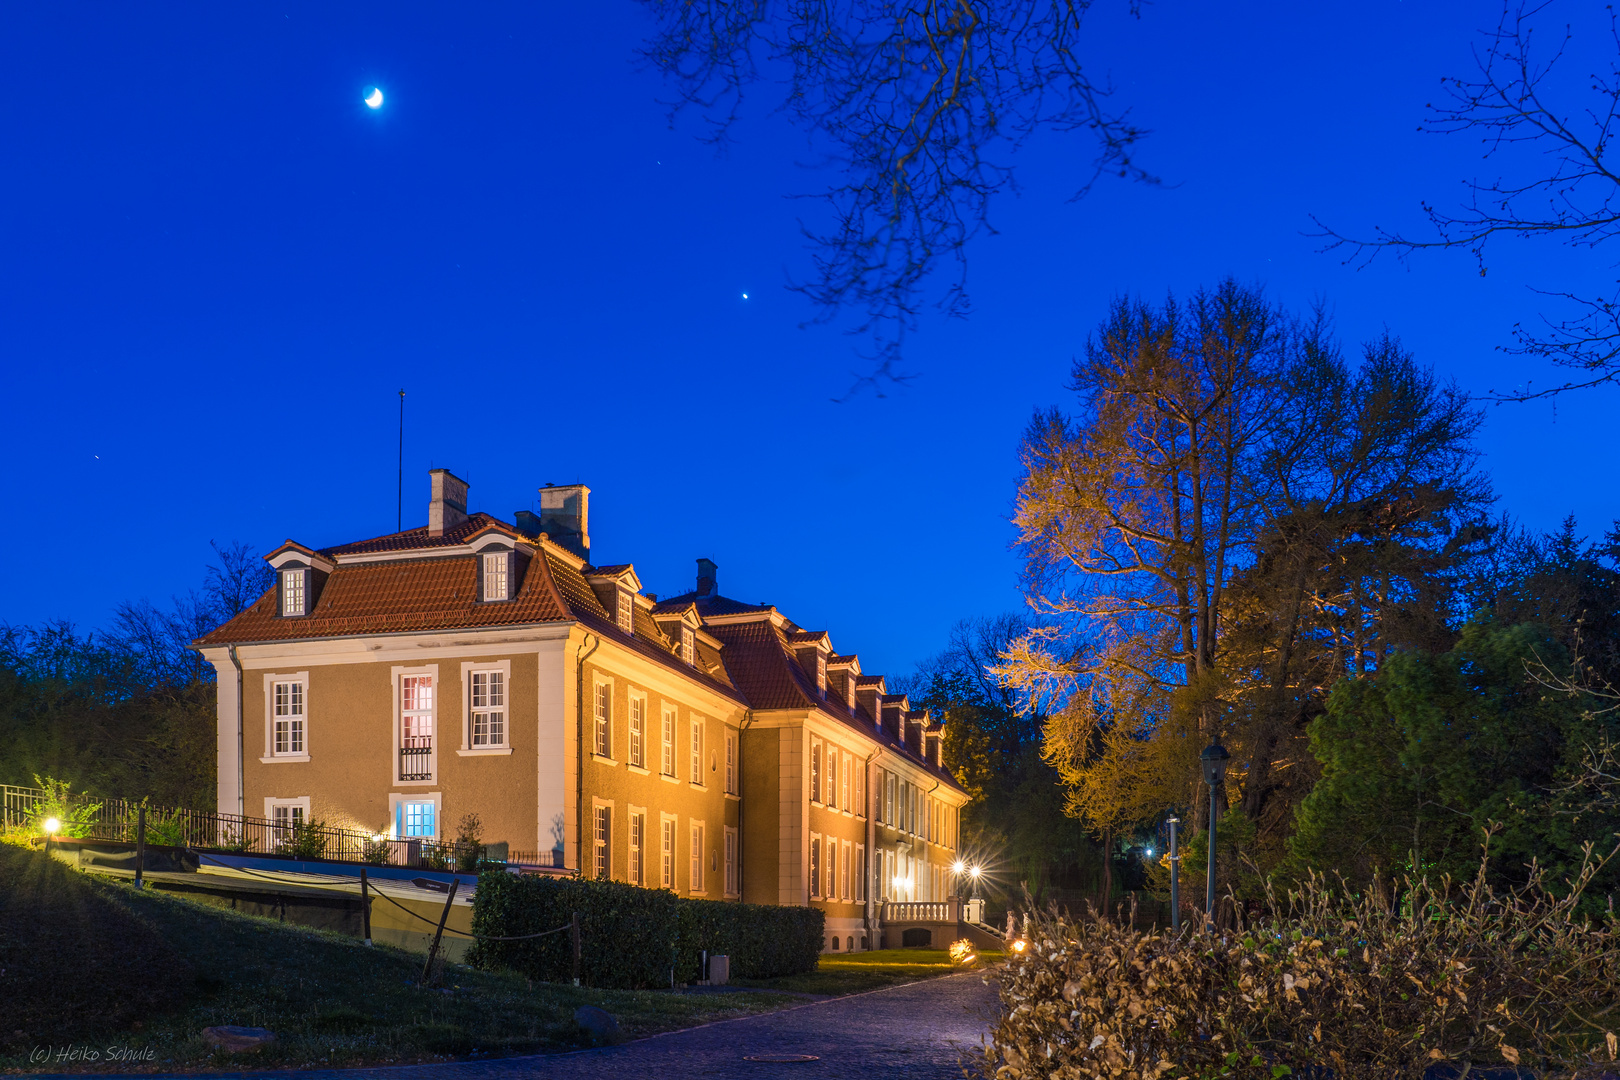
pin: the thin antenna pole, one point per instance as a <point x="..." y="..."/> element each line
<point x="399" y="514"/>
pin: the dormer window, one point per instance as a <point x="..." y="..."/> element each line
<point x="627" y="610"/>
<point x="821" y="671"/>
<point x="688" y="645"/>
<point x="497" y="575"/>
<point x="294" y="589"/>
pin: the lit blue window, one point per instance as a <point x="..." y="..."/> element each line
<point x="416" y="819"/>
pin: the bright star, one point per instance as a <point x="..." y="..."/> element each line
<point x="745" y="296"/>
<point x="374" y="99"/>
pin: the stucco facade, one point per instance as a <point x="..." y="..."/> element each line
<point x="475" y="667"/>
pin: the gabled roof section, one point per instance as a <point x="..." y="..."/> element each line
<point x="714" y="605"/>
<point x="759" y="655"/>
<point x="398" y="596"/>
<point x="414" y="539"/>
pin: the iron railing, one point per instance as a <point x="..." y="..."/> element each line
<point x="117" y="820"/>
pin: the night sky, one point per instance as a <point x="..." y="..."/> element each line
<point x="218" y="266"/>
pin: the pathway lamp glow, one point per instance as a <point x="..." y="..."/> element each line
<point x="52" y="826"/>
<point x="1213" y="759"/>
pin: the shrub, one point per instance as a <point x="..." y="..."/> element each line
<point x="631" y="937"/>
<point x="304" y="840"/>
<point x="75" y="813"/>
<point x="376" y="852"/>
<point x="469" y="847"/>
<point x="762" y="941"/>
<point x="166" y="830"/>
<point x="1327" y="981"/>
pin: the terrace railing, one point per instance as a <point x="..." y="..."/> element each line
<point x="95" y="818"/>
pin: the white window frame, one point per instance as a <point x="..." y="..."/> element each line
<point x="845" y="794"/>
<point x="859" y="873"/>
<point x="272" y="804"/>
<point x="845" y="850"/>
<point x="294" y="583"/>
<point x="860" y="789"/>
<point x="398" y="676"/>
<point x="668" y="828"/>
<point x="697" y="836"/>
<point x="470" y="668"/>
<point x="699" y="727"/>
<point x="270" y="680"/>
<point x="497" y="570"/>
<point x="815" y="769"/>
<point x="601" y="846"/>
<point x="395" y="820"/>
<point x="829" y="776"/>
<point x="733" y="885"/>
<point x="636" y="838"/>
<point x="669" y="726"/>
<point x="817" y="871"/>
<point x="636" y="722"/>
<point x="731" y="762"/>
<point x="602" y="720"/>
<point x="625" y="615"/>
<point x="688" y="644"/>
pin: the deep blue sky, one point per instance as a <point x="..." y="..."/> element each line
<point x="217" y="267"/>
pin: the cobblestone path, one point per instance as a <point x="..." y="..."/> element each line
<point x="920" y="1031"/>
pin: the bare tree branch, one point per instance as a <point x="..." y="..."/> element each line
<point x="918" y="106"/>
<point x="1572" y="193"/>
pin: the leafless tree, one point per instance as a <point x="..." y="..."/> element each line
<point x="918" y="106"/>
<point x="1570" y="191"/>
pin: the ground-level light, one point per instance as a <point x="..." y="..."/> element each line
<point x="52" y="826"/>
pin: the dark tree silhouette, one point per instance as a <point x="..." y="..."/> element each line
<point x="918" y="107"/>
<point x="1566" y="187"/>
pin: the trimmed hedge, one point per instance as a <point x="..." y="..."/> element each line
<point x="633" y="938"/>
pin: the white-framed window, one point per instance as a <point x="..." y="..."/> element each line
<point x="844" y="792"/>
<point x="733" y="886"/>
<point x="815" y="770"/>
<point x="627" y="611"/>
<point x="497" y="575"/>
<point x="638" y="729"/>
<point x="815" y="866"/>
<point x="284" y="816"/>
<point x="860" y="873"/>
<point x="287" y="713"/>
<point x="638" y="844"/>
<point x="602" y="719"/>
<point x="688" y="645"/>
<point x="416" y="723"/>
<point x="666" y="850"/>
<point x="731" y="762"/>
<point x="888" y="887"/>
<point x="695" y="884"/>
<point x="667" y="759"/>
<point x="601" y="839"/>
<point x="821" y="671"/>
<point x="697" y="749"/>
<point x="845" y="850"/>
<point x="416" y="815"/>
<point x="888" y="798"/>
<point x="487" y="707"/>
<point x="860" y="790"/>
<point x="294" y="591"/>
<point x="829" y="783"/>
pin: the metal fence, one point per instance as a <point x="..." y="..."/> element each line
<point x="95" y="818"/>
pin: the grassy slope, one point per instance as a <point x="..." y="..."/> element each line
<point x="331" y="1000"/>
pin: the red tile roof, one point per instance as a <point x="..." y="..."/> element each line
<point x="411" y="539"/>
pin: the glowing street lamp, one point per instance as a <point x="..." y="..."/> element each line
<point x="52" y="826"/>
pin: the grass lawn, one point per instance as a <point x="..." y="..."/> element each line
<point x="91" y="962"/>
<point x="853" y="973"/>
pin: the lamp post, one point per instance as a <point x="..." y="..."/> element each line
<point x="1214" y="759"/>
<point x="1175" y="878"/>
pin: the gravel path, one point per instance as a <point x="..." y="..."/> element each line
<point x="920" y="1031"/>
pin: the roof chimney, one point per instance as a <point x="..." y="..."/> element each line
<point x="564" y="517"/>
<point x="707" y="580"/>
<point x="447" y="506"/>
<point x="527" y="522"/>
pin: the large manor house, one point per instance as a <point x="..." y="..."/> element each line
<point x="693" y="743"/>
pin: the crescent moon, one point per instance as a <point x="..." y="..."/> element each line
<point x="374" y="99"/>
